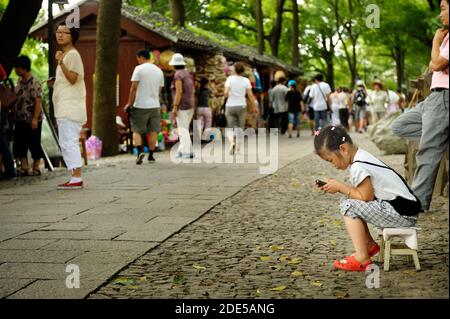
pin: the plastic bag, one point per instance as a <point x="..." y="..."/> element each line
<point x="93" y="148"/>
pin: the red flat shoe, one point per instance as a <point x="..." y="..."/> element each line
<point x="374" y="250"/>
<point x="69" y="185"/>
<point x="351" y="264"/>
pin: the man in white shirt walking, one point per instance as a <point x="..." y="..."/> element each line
<point x="146" y="84"/>
<point x="319" y="93"/>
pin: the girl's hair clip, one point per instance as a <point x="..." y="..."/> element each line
<point x="343" y="138"/>
<point x="317" y="133"/>
<point x="333" y="128"/>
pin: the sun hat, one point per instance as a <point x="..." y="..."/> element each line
<point x="177" y="59"/>
<point x="378" y="81"/>
<point x="292" y="83"/>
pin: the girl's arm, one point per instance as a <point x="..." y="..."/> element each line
<point x="364" y="191"/>
<point x="438" y="63"/>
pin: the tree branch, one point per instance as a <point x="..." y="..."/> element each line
<point x="239" y="22"/>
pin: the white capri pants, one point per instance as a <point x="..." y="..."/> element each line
<point x="69" y="136"/>
<point x="184" y="119"/>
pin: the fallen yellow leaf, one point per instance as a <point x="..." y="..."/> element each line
<point x="258" y="291"/>
<point x="317" y="283"/>
<point x="198" y="267"/>
<point x="283" y="258"/>
<point x="295" y="261"/>
<point x="258" y="247"/>
<point x="275" y="247"/>
<point x="337" y="223"/>
<point x="295" y="184"/>
<point x="333" y="242"/>
<point x="266" y="258"/>
<point x="341" y="295"/>
<point x="297" y="273"/>
<point x="280" y="288"/>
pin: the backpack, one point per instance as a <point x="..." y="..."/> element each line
<point x="360" y="98"/>
<point x="7" y="96"/>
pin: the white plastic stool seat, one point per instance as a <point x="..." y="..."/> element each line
<point x="409" y="247"/>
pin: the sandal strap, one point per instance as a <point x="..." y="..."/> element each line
<point x="350" y="263"/>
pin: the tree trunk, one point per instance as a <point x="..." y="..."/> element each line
<point x="108" y="31"/>
<point x="152" y="5"/>
<point x="275" y="34"/>
<point x="14" y="27"/>
<point x="178" y="12"/>
<point x="434" y="4"/>
<point x="399" y="55"/>
<point x="351" y="57"/>
<point x="295" y="35"/>
<point x="260" y="26"/>
<point x="330" y="71"/>
<point x="328" y="56"/>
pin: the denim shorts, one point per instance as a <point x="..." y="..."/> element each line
<point x="293" y="118"/>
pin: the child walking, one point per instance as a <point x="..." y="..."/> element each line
<point x="378" y="195"/>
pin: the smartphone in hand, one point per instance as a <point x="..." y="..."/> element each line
<point x="320" y="183"/>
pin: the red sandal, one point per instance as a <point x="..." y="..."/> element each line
<point x="351" y="264"/>
<point x="374" y="250"/>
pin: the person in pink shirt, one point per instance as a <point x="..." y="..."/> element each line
<point x="428" y="121"/>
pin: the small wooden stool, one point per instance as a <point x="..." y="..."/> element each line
<point x="409" y="247"/>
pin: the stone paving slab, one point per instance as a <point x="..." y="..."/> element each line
<point x="8" y="234"/>
<point x="67" y="226"/>
<point x="38" y="256"/>
<point x="57" y="271"/>
<point x="60" y="234"/>
<point x="25" y="244"/>
<point x="100" y="245"/>
<point x="9" y="286"/>
<point x="110" y="257"/>
<point x="151" y="232"/>
<point x="56" y="289"/>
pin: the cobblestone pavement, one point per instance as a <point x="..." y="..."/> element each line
<point x="277" y="238"/>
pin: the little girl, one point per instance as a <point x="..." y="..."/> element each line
<point x="377" y="195"/>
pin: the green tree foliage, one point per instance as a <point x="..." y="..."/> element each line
<point x="406" y="28"/>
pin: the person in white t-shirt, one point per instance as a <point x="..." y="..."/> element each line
<point x="319" y="93"/>
<point x="147" y="82"/>
<point x="377" y="194"/>
<point x="237" y="87"/>
<point x="396" y="101"/>
<point x="69" y="100"/>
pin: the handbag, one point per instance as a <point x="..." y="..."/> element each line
<point x="219" y="117"/>
<point x="7" y="96"/>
